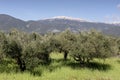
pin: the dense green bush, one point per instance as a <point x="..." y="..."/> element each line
<point x="37" y="71"/>
<point x="8" y="65"/>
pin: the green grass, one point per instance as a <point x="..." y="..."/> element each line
<point x="70" y="70"/>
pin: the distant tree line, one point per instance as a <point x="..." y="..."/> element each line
<point x="25" y="51"/>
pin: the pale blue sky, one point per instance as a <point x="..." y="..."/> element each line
<point x="93" y="10"/>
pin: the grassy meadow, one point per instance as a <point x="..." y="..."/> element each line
<point x="60" y="70"/>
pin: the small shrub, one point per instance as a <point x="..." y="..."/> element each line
<point x="37" y="71"/>
<point x="8" y="65"/>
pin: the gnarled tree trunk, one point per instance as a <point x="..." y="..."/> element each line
<point x="65" y="55"/>
<point x="21" y="64"/>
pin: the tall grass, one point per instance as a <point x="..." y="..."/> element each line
<point x="61" y="70"/>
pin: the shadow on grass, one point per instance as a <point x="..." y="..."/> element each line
<point x="91" y="65"/>
<point x="75" y="65"/>
<point x="57" y="64"/>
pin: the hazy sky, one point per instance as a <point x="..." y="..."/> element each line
<point x="93" y="10"/>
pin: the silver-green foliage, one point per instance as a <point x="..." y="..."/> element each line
<point x="91" y="45"/>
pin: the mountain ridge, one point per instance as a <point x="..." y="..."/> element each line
<point x="56" y="24"/>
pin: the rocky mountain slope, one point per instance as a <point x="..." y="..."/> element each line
<point x="56" y="24"/>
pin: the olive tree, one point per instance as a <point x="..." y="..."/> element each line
<point x="65" y="39"/>
<point x="37" y="52"/>
<point x="91" y="45"/>
<point x="13" y="49"/>
<point x="82" y="49"/>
